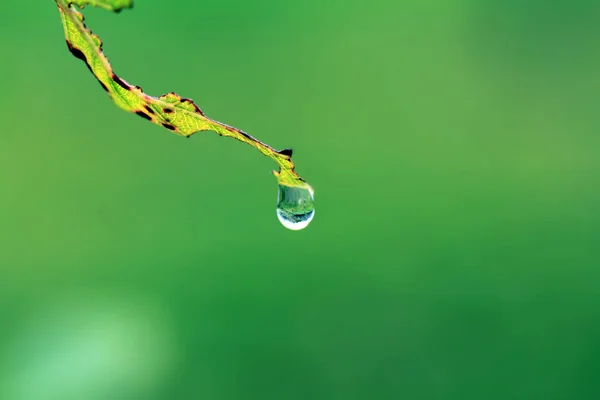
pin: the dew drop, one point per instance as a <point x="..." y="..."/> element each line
<point x="295" y="206"/>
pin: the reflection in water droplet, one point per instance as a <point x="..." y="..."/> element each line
<point x="295" y="207"/>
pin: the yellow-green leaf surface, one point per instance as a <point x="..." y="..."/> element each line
<point x="174" y="113"/>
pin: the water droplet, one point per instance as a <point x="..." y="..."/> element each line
<point x="295" y="206"/>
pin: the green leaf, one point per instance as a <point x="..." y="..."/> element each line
<point x="111" y="5"/>
<point x="174" y="113"/>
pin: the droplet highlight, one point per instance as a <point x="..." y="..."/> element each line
<point x="295" y="206"/>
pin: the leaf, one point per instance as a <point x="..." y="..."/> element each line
<point x="177" y="114"/>
<point x="111" y="5"/>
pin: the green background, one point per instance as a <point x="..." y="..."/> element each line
<point x="453" y="147"/>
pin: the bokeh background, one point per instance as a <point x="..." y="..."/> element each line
<point x="453" y="147"/>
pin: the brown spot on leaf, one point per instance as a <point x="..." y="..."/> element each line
<point x="79" y="54"/>
<point x="103" y="86"/>
<point x="286" y="152"/>
<point x="196" y="108"/>
<point x="120" y="82"/>
<point x="149" y="109"/>
<point x="143" y="115"/>
<point x="168" y="126"/>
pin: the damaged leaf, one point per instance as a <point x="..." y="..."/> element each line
<point x="177" y="114"/>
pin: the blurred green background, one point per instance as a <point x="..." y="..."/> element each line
<point x="453" y="147"/>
